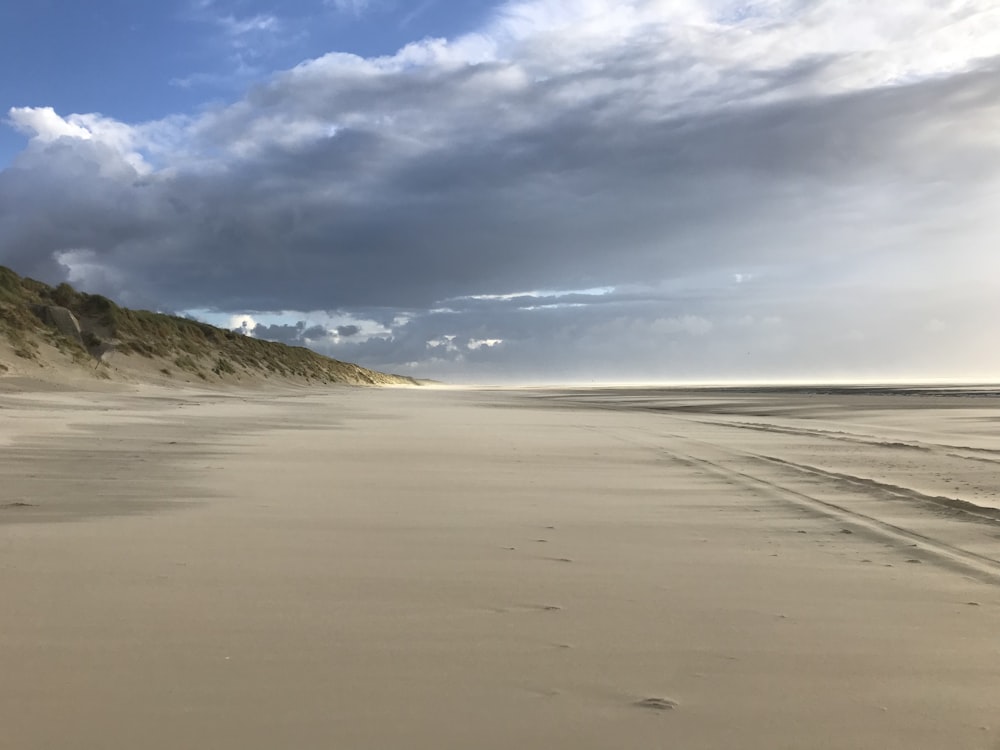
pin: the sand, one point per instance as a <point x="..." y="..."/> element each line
<point x="446" y="568"/>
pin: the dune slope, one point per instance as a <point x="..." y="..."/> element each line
<point x="59" y="333"/>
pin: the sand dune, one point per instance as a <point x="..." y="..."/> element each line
<point x="448" y="568"/>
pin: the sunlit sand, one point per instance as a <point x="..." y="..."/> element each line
<point x="544" y="568"/>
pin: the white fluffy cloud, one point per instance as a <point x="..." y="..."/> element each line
<point x="829" y="164"/>
<point x="44" y="124"/>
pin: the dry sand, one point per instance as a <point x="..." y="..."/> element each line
<point x="498" y="569"/>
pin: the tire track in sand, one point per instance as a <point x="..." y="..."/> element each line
<point x="830" y="494"/>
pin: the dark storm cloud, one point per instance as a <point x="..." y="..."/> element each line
<point x="286" y="334"/>
<point x="315" y="332"/>
<point x="578" y="202"/>
<point x="396" y="191"/>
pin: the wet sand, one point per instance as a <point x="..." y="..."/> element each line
<point x="494" y="569"/>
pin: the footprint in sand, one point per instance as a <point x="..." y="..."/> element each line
<point x="657" y="704"/>
<point x="527" y="608"/>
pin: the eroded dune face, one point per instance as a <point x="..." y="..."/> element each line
<point x="376" y="568"/>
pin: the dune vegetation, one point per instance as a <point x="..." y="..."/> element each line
<point x="53" y="326"/>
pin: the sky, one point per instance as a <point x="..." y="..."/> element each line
<point x="521" y="191"/>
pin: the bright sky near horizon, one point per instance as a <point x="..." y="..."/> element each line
<point x="528" y="190"/>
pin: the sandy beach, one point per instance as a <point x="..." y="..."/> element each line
<point x="537" y="568"/>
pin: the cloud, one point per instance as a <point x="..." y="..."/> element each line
<point x="286" y="334"/>
<point x="746" y="335"/>
<point x="354" y="7"/>
<point x="415" y="12"/>
<point x="44" y="127"/>
<point x="239" y="28"/>
<point x="253" y="37"/>
<point x="243" y="323"/>
<point x="234" y="44"/>
<point x="681" y="155"/>
<point x="44" y="124"/>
